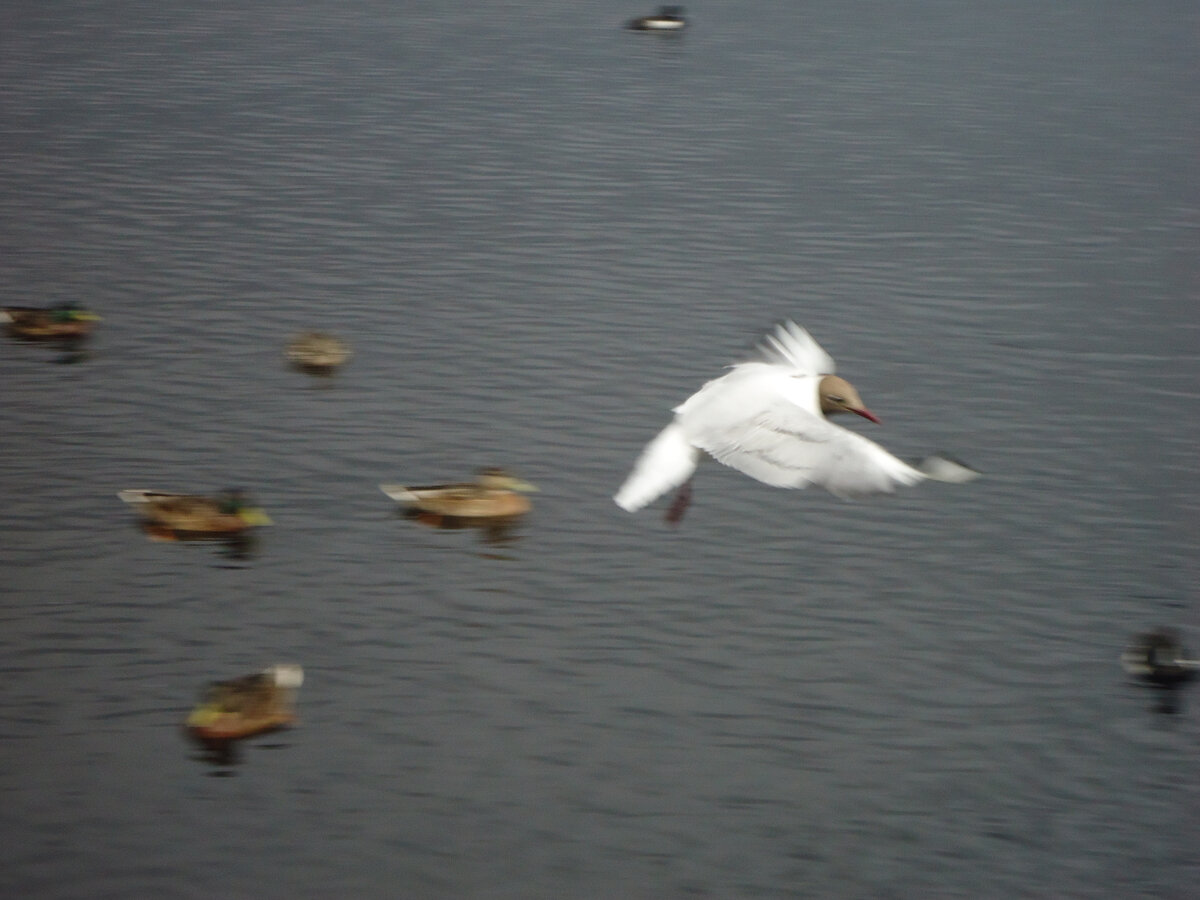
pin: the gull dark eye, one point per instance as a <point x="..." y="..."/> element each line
<point x="832" y="399"/>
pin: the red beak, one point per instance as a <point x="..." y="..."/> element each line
<point x="867" y="414"/>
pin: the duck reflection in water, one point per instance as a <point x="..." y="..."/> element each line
<point x="239" y="545"/>
<point x="493" y="531"/>
<point x="1159" y="660"/>
<point x="223" y="756"/>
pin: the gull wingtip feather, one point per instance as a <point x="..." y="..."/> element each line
<point x="625" y="503"/>
<point x="940" y="467"/>
<point x="667" y="462"/>
<point x="792" y="346"/>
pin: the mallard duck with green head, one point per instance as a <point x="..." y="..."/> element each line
<point x="246" y="706"/>
<point x="494" y="494"/>
<point x="227" y="513"/>
<point x="64" y="321"/>
<point x="317" y="352"/>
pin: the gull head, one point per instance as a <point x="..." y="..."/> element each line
<point x="838" y="395"/>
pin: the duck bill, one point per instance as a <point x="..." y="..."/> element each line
<point x="253" y="516"/>
<point x="867" y="414"/>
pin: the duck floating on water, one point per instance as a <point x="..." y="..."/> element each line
<point x="227" y="513"/>
<point x="66" y="321"/>
<point x="493" y="494"/>
<point x="668" y="18"/>
<point x="1159" y="658"/>
<point x="766" y="418"/>
<point x="242" y="707"/>
<point x="317" y="352"/>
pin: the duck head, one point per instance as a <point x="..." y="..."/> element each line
<point x="494" y="479"/>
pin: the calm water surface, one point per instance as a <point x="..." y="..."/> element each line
<point x="540" y="233"/>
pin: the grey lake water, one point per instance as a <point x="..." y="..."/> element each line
<point x="540" y="232"/>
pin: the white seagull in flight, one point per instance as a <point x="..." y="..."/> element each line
<point x="766" y="418"/>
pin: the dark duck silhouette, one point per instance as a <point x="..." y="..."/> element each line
<point x="1159" y="658"/>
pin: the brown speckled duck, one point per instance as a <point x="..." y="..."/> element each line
<point x="227" y="513"/>
<point x="63" y="322"/>
<point x="493" y="494"/>
<point x="317" y="352"/>
<point x="247" y="706"/>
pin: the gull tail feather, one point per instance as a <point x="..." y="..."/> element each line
<point x="667" y="462"/>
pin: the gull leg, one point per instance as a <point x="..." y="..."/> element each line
<point x="680" y="504"/>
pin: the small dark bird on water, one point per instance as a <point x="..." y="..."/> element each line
<point x="668" y="18"/>
<point x="1159" y="658"/>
